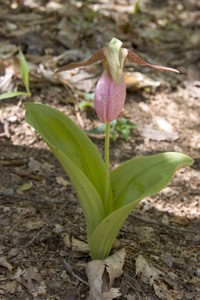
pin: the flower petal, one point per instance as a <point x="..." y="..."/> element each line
<point x="98" y="55"/>
<point x="138" y="60"/>
<point x="109" y="98"/>
<point x="115" y="65"/>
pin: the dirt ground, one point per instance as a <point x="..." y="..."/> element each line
<point x="41" y="221"/>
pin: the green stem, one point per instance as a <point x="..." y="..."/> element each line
<point x="108" y="203"/>
<point x="106" y="150"/>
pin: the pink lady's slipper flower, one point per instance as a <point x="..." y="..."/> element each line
<point x="110" y="91"/>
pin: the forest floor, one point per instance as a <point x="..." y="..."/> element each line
<point x="41" y="221"/>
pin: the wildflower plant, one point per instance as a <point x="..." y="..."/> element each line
<point x="106" y="196"/>
<point x="24" y="70"/>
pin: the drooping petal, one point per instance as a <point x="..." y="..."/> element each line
<point x="98" y="55"/>
<point x="109" y="98"/>
<point x="139" y="61"/>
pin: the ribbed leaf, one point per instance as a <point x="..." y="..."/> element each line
<point x="104" y="235"/>
<point x="24" y="70"/>
<point x="144" y="176"/>
<point x="62" y="133"/>
<point x="131" y="182"/>
<point x="90" y="200"/>
<point x="8" y="95"/>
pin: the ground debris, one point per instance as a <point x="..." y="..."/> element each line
<point x="101" y="275"/>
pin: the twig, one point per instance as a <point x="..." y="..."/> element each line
<point x="163" y="225"/>
<point x="71" y="272"/>
<point x="6" y="195"/>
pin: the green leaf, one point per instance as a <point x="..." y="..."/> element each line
<point x="103" y="237"/>
<point x="26" y="186"/>
<point x="136" y="8"/>
<point x="145" y="176"/>
<point x="62" y="133"/>
<point x="122" y="122"/>
<point x="90" y="200"/>
<point x="25" y="77"/>
<point x="97" y="130"/>
<point x="8" y="95"/>
<point x="131" y="182"/>
<point x="125" y="133"/>
<point x="121" y="125"/>
<point x="102" y="128"/>
<point x="24" y="70"/>
<point x="84" y="104"/>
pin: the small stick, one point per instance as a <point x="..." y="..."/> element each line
<point x="169" y="227"/>
<point x="71" y="272"/>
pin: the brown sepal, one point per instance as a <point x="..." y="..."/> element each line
<point x="138" y="60"/>
<point x="98" y="55"/>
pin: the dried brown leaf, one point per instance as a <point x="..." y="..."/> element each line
<point x="4" y="263"/>
<point x="101" y="275"/>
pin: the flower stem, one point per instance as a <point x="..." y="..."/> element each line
<point x="106" y="150"/>
<point x="108" y="203"/>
